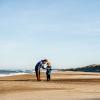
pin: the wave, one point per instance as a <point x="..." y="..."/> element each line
<point x="4" y="73"/>
<point x="12" y="74"/>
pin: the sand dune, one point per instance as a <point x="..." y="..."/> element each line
<point x="64" y="85"/>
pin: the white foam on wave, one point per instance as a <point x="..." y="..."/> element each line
<point x="12" y="74"/>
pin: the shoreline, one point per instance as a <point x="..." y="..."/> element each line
<point x="53" y="72"/>
<point x="56" y="76"/>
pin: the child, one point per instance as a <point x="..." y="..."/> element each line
<point x="48" y="71"/>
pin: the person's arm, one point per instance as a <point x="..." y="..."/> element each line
<point x="42" y="66"/>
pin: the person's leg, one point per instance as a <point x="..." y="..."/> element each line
<point x="39" y="75"/>
<point x="49" y="77"/>
<point x="36" y="75"/>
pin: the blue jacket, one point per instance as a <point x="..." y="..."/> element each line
<point x="48" y="70"/>
<point x="39" y="65"/>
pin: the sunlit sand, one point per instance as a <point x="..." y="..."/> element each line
<point x="63" y="86"/>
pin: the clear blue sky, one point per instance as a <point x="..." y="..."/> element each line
<point x="67" y="32"/>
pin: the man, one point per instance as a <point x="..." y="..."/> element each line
<point x="38" y="66"/>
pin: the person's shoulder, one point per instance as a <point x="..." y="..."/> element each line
<point x="39" y="61"/>
<point x="49" y="68"/>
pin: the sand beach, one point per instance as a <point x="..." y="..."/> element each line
<point x="63" y="86"/>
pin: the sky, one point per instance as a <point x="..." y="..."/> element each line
<point x="66" y="32"/>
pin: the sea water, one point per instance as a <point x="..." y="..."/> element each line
<point x="4" y="73"/>
<point x="10" y="72"/>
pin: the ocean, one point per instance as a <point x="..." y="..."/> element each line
<point x="10" y="72"/>
<point x="14" y="72"/>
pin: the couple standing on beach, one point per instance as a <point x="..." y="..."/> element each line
<point x="40" y="65"/>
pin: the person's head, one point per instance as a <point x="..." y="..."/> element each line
<point x="44" y="61"/>
<point x="48" y="64"/>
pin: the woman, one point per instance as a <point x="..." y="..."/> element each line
<point x="38" y="66"/>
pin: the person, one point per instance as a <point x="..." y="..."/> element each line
<point x="38" y="66"/>
<point x="48" y="71"/>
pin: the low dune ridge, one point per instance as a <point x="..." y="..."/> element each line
<point x="64" y="85"/>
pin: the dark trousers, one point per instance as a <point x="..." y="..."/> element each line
<point x="48" y="77"/>
<point x="38" y="75"/>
